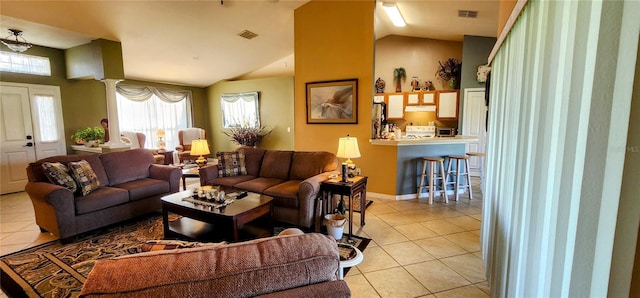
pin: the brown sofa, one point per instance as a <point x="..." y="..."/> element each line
<point x="130" y="185"/>
<point x="292" y="178"/>
<point x="301" y="265"/>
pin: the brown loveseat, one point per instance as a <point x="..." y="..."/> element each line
<point x="301" y="265"/>
<point x="130" y="185"/>
<point x="292" y="178"/>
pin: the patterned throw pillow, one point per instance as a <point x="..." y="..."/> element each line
<point x="231" y="164"/>
<point x="153" y="245"/>
<point x="58" y="173"/>
<point x="84" y="176"/>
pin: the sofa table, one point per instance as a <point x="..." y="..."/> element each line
<point x="354" y="186"/>
<point x="201" y="223"/>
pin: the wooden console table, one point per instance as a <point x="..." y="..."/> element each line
<point x="354" y="186"/>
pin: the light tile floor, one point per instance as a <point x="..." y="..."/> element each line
<point x="417" y="249"/>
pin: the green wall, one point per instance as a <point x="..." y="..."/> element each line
<point x="276" y="111"/>
<point x="84" y="101"/>
<point x="475" y="52"/>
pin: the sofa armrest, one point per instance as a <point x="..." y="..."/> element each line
<point x="54" y="207"/>
<point x="208" y="173"/>
<point x="179" y="148"/>
<point x="308" y="192"/>
<point x="332" y="289"/>
<point x="166" y="173"/>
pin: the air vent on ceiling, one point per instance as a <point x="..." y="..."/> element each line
<point x="467" y="13"/>
<point x="247" y="34"/>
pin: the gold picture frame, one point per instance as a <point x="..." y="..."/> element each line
<point x="332" y="102"/>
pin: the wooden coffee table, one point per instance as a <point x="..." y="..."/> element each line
<point x="200" y="223"/>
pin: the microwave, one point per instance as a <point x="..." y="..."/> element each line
<point x="445" y="132"/>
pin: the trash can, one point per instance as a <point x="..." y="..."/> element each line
<point x="335" y="224"/>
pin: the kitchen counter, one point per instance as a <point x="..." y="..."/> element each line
<point x="424" y="141"/>
<point x="408" y="159"/>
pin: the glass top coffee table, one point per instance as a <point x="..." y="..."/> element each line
<point x="200" y="222"/>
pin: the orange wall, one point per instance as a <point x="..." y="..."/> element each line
<point x="504" y="11"/>
<point x="334" y="40"/>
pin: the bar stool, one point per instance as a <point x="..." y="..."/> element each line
<point x="458" y="159"/>
<point x="433" y="177"/>
<point x="480" y="157"/>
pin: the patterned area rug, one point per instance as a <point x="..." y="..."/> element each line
<point x="56" y="270"/>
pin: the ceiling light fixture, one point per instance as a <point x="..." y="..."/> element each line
<point x="19" y="44"/>
<point x="394" y="13"/>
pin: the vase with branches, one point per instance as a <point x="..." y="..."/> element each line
<point x="247" y="136"/>
<point x="449" y="71"/>
<point x="399" y="76"/>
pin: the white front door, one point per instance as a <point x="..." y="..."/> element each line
<point x="474" y="124"/>
<point x="32" y="128"/>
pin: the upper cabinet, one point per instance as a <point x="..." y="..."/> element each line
<point x="395" y="105"/>
<point x="421" y="98"/>
<point x="447" y="104"/>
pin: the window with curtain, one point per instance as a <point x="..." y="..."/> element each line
<point x="240" y="110"/>
<point x="146" y="109"/>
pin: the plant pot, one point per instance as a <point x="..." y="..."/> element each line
<point x="335" y="225"/>
<point x="93" y="143"/>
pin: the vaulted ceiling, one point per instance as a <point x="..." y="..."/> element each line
<point x="196" y="43"/>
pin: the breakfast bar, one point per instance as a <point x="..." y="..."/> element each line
<point x="409" y="153"/>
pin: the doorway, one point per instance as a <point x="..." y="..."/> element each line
<point x="474" y="124"/>
<point x="32" y="129"/>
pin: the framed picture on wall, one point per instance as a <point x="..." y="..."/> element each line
<point x="332" y="102"/>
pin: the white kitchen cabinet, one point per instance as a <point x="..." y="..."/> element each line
<point x="395" y="106"/>
<point x="447" y="104"/>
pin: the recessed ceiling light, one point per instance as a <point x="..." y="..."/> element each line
<point x="394" y="14"/>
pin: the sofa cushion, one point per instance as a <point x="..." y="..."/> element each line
<point x="144" y="188"/>
<point x="230" y="181"/>
<point x="253" y="159"/>
<point x="101" y="198"/>
<point x="309" y="164"/>
<point x="285" y="194"/>
<point x="276" y="164"/>
<point x="58" y="174"/>
<point x="231" y="164"/>
<point x="259" y="184"/>
<point x="84" y="175"/>
<point x="129" y="165"/>
<point x="244" y="269"/>
<point x="35" y="173"/>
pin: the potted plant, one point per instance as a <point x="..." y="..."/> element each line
<point x="449" y="71"/>
<point x="247" y="136"/>
<point x="90" y="136"/>
<point x="399" y="76"/>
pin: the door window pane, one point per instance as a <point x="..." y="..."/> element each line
<point x="46" y="118"/>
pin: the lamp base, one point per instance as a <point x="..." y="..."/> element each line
<point x="201" y="162"/>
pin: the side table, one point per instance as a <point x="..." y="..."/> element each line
<point x="189" y="173"/>
<point x="351" y="262"/>
<point x="354" y="186"/>
<point x="168" y="156"/>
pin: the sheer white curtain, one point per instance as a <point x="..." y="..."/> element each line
<point x="240" y="109"/>
<point x="146" y="109"/>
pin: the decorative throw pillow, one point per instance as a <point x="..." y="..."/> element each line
<point x="84" y="176"/>
<point x="231" y="164"/>
<point x="153" y="245"/>
<point x="58" y="173"/>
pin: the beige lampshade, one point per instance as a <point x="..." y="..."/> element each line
<point x="199" y="147"/>
<point x="348" y="148"/>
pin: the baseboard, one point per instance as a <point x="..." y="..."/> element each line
<point x="410" y="196"/>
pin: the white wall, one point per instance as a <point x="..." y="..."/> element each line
<point x="559" y="114"/>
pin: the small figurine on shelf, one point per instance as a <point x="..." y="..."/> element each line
<point x="380" y="84"/>
<point x="415" y="84"/>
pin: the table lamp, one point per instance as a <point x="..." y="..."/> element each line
<point x="160" y="135"/>
<point x="348" y="148"/>
<point x="200" y="148"/>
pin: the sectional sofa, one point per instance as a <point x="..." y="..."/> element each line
<point x="292" y="178"/>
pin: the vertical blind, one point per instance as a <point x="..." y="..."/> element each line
<point x="560" y="88"/>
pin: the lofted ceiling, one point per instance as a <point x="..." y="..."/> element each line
<point x="196" y="43"/>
